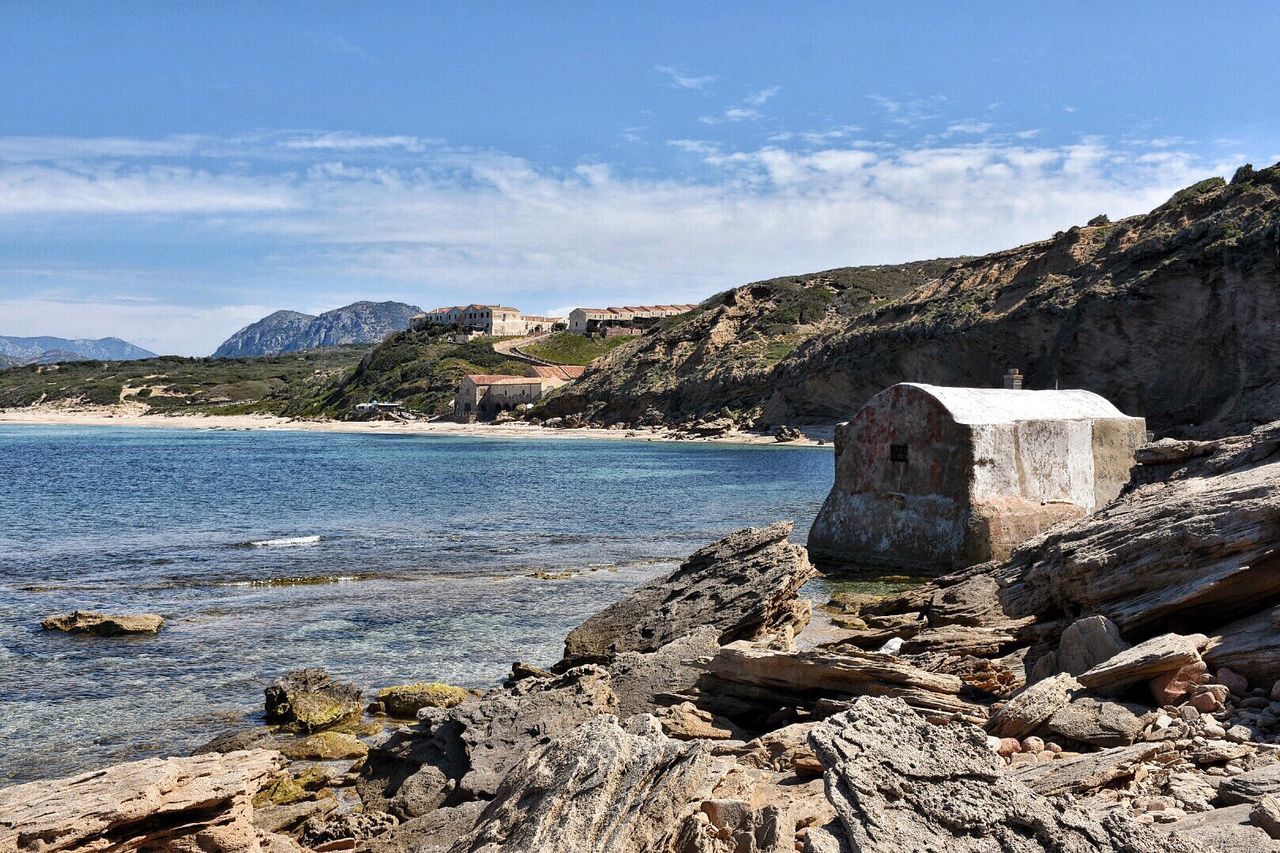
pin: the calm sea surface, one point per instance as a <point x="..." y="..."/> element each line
<point x="410" y="560"/>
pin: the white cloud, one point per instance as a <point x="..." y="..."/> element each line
<point x="972" y="127"/>
<point x="683" y="80"/>
<point x="456" y="225"/>
<point x="760" y="98"/>
<point x="347" y="141"/>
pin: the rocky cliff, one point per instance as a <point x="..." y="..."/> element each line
<point x="1171" y="315"/>
<point x="291" y="331"/>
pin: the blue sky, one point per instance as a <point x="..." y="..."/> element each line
<point x="172" y="171"/>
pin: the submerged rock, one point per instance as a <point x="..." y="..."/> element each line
<point x="744" y="586"/>
<point x="406" y="700"/>
<point x="103" y="624"/>
<point x="311" y="700"/>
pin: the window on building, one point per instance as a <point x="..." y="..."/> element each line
<point x="898" y="453"/>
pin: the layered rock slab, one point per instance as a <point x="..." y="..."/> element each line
<point x="600" y="787"/>
<point x="202" y="803"/>
<point x="462" y="753"/>
<point x="744" y="585"/>
<point x="900" y="783"/>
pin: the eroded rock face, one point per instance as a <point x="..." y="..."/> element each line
<point x="203" y="803"/>
<point x="743" y="586"/>
<point x="600" y="787"/>
<point x="103" y="624"/>
<point x="462" y="753"/>
<point x="899" y="783"/>
<point x="311" y="700"/>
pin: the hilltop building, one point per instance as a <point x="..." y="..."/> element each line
<point x="939" y="478"/>
<point x="482" y="396"/>
<point x="487" y="319"/>
<point x="634" y="318"/>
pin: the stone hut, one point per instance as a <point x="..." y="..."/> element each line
<point x="481" y="397"/>
<point x="934" y="479"/>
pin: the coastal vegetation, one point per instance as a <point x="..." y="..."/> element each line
<point x="572" y="348"/>
<point x="171" y="384"/>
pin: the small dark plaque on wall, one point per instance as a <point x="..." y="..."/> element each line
<point x="898" y="453"/>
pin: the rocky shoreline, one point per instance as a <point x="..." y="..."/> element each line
<point x="1112" y="686"/>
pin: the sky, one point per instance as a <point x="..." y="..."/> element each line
<point x="172" y="171"/>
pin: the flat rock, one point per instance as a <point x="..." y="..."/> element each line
<point x="1229" y="830"/>
<point x="848" y="671"/>
<point x="1097" y="722"/>
<point x="639" y="678"/>
<point x="103" y="624"/>
<point x="899" y="783"/>
<point x="311" y="700"/>
<point x="199" y="803"/>
<point x="1089" y="772"/>
<point x="1247" y="646"/>
<point x="1143" y="662"/>
<point x="1251" y="786"/>
<point x="744" y="586"/>
<point x="1027" y="710"/>
<point x="599" y="787"/>
<point x="463" y="752"/>
<point x="434" y="832"/>
<point x="1088" y="642"/>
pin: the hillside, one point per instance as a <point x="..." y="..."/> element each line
<point x="47" y="350"/>
<point x="1173" y="315"/>
<point x="570" y="348"/>
<point x="292" y="331"/>
<point x="725" y="353"/>
<point x="419" y="368"/>
<point x="171" y="383"/>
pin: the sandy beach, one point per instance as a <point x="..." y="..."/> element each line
<point x="136" y="415"/>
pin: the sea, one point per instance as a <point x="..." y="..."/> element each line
<point x="384" y="558"/>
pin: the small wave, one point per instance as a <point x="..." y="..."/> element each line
<point x="287" y="542"/>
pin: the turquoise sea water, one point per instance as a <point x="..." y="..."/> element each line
<point x="411" y="560"/>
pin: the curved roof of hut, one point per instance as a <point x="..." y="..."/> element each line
<point x="1003" y="405"/>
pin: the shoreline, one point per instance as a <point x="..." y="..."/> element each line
<point x="137" y="416"/>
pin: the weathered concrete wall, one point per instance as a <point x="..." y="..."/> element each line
<point x="882" y="511"/>
<point x="970" y="489"/>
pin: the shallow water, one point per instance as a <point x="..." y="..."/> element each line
<point x="385" y="559"/>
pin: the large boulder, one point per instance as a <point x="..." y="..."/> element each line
<point x="744" y="586"/>
<point x="311" y="700"/>
<point x="103" y="624"/>
<point x="599" y="787"/>
<point x="462" y="753"/>
<point x="203" y="803"/>
<point x="900" y="783"/>
<point x="406" y="700"/>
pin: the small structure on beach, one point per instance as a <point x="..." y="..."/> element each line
<point x="481" y="397"/>
<point x="935" y="478"/>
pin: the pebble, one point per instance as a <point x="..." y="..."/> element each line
<point x="1032" y="744"/>
<point x="1189" y="713"/>
<point x="1022" y="759"/>
<point x="1205" y="702"/>
<point x="1008" y="746"/>
<point x="1239" y="734"/>
<point x="1213" y="730"/>
<point x="1052" y="747"/>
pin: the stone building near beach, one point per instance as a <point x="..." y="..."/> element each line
<point x="936" y="478"/>
<point x="481" y="397"/>
<point x="633" y="318"/>
<point x="487" y="320"/>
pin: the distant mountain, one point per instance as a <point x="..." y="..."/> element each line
<point x="48" y="350"/>
<point x="291" y="331"/>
